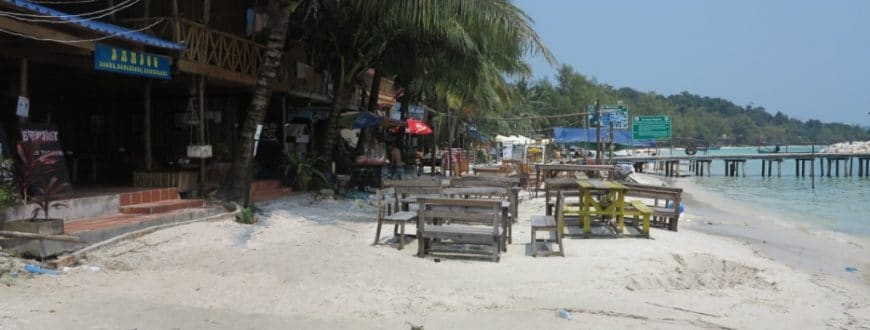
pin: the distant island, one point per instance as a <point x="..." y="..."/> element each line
<point x="696" y="119"/>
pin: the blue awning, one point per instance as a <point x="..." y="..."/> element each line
<point x="97" y="26"/>
<point x="567" y="135"/>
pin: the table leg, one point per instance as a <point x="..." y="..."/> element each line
<point x="587" y="216"/>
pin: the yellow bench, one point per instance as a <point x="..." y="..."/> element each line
<point x="637" y="208"/>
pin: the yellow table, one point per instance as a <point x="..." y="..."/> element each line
<point x="611" y="203"/>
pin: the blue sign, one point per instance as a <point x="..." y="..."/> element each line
<point x="120" y="60"/>
<point x="616" y="114"/>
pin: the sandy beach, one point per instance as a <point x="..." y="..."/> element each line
<point x="310" y="264"/>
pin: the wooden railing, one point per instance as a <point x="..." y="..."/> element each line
<point x="234" y="57"/>
<point x="220" y="49"/>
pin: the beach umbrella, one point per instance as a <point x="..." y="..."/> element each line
<point x="417" y="127"/>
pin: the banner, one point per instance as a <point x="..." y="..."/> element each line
<point x="120" y="60"/>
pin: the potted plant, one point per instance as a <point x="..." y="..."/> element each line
<point x="34" y="187"/>
<point x="301" y="169"/>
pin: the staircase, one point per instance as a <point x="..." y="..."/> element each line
<point x="262" y="190"/>
<point x="136" y="210"/>
<point x="155" y="201"/>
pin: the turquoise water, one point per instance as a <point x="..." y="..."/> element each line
<point x="840" y="204"/>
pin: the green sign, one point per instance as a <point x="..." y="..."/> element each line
<point x="651" y="128"/>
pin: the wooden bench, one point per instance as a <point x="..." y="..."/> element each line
<point x="641" y="214"/>
<point x="388" y="213"/>
<point x="552" y="225"/>
<point x="459" y="226"/>
<point x="665" y="202"/>
<point x="502" y="194"/>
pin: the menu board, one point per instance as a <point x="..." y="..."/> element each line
<point x="46" y="140"/>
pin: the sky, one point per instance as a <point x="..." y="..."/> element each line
<point x="809" y="59"/>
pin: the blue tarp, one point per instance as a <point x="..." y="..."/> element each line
<point x="97" y="26"/>
<point x="366" y="119"/>
<point x="567" y="135"/>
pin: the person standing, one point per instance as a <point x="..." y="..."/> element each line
<point x="397" y="163"/>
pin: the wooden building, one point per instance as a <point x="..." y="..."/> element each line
<point x="125" y="119"/>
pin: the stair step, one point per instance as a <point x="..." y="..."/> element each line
<point x="260" y="185"/>
<point x="147" y="196"/>
<point x="263" y="195"/>
<point x="162" y="206"/>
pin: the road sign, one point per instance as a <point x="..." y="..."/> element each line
<point x="651" y="128"/>
<point x="616" y="114"/>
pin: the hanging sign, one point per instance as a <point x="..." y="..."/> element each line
<point x="120" y="60"/>
<point x="23" y="108"/>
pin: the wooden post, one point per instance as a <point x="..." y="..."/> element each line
<point x="176" y="21"/>
<point x="850" y="165"/>
<point x="283" y="123"/>
<point x="829" y="167"/>
<point x="743" y="167"/>
<point x="763" y="163"/>
<point x="779" y="168"/>
<point x="206" y="10"/>
<point x="797" y="172"/>
<point x="112" y="13"/>
<point x="147" y="124"/>
<point x="201" y="96"/>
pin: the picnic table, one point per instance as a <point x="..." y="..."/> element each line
<point x="599" y="198"/>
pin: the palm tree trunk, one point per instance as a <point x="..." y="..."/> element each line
<point x="237" y="184"/>
<point x="338" y="103"/>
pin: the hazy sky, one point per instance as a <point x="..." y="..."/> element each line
<point x="809" y="59"/>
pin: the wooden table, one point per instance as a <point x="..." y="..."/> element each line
<point x="610" y="203"/>
<point x="550" y="170"/>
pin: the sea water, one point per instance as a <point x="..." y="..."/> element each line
<point x="839" y="204"/>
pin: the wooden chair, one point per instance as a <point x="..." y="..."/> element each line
<point x="388" y="213"/>
<point x="549" y="224"/>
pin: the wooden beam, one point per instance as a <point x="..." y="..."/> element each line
<point x="41" y="32"/>
<point x="63" y="238"/>
<point x="216" y="72"/>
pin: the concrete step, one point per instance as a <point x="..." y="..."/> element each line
<point x="147" y="196"/>
<point x="97" y="229"/>
<point x="162" y="206"/>
<point x="260" y="185"/>
<point x="265" y="195"/>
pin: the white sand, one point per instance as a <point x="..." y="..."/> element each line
<point x="311" y="265"/>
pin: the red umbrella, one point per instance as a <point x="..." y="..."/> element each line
<point x="417" y="127"/>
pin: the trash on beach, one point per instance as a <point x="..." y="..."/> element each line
<point x="851" y="269"/>
<point x="564" y="314"/>
<point x="31" y="268"/>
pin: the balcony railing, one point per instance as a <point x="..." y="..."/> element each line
<point x="227" y="56"/>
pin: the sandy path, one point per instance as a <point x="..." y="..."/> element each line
<point x="311" y="265"/>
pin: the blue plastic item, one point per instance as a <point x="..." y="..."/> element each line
<point x="682" y="207"/>
<point x="564" y="314"/>
<point x="31" y="268"/>
<point x="851" y="269"/>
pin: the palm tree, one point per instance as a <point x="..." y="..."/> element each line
<point x="470" y="44"/>
<point x="237" y="185"/>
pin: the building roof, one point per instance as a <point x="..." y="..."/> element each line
<point x="93" y="25"/>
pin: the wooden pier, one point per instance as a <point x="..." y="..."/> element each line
<point x="735" y="165"/>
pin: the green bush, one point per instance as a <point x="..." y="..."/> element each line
<point x="247" y="216"/>
<point x="8" y="195"/>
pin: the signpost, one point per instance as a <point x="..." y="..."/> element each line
<point x="651" y="128"/>
<point x="616" y="114"/>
